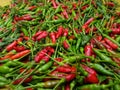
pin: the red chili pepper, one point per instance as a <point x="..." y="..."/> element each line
<point x="65" y="32"/>
<point x="26" y="17"/>
<point x="26" y="37"/>
<point x="42" y="35"/>
<point x="32" y="8"/>
<point x="60" y="31"/>
<point x="111" y="44"/>
<point x="74" y="5"/>
<point x="91" y="78"/>
<point x="84" y="7"/>
<point x="29" y="89"/>
<point x="65" y="44"/>
<point x="115" y="30"/>
<point x="11" y="46"/>
<point x="40" y="55"/>
<point x="89" y="21"/>
<point x="19" y="48"/>
<point x="88" y="51"/>
<point x="27" y="80"/>
<point x="53" y="37"/>
<point x="89" y="70"/>
<point x="70" y="77"/>
<point x="106" y="45"/>
<point x="55" y="5"/>
<point x="67" y="86"/>
<point x="92" y="75"/>
<point x="65" y="14"/>
<point x="110" y="4"/>
<point x="37" y="34"/>
<point x="20" y="54"/>
<point x="19" y="40"/>
<point x="63" y="69"/>
<point x="50" y="49"/>
<point x="57" y="74"/>
<point x="59" y="59"/>
<point x="47" y="57"/>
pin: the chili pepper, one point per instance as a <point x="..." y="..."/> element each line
<point x="101" y="69"/>
<point x="115" y="30"/>
<point x="106" y="45"/>
<point x="118" y="39"/>
<point x="110" y="4"/>
<point x="116" y="87"/>
<point x="63" y="69"/>
<point x="3" y="81"/>
<point x="29" y="89"/>
<point x="5" y="69"/>
<point x="19" y="48"/>
<point x="84" y="7"/>
<point x="65" y="14"/>
<point x="88" y="51"/>
<point x="67" y="86"/>
<point x="54" y="4"/>
<point x="37" y="34"/>
<point x="78" y="43"/>
<point x="70" y="77"/>
<point x="72" y="85"/>
<point x="53" y="37"/>
<point x="46" y="66"/>
<point x="40" y="55"/>
<point x="89" y="21"/>
<point x="65" y="44"/>
<point x="27" y="80"/>
<point x="93" y="87"/>
<point x="20" y="54"/>
<point x="104" y="57"/>
<point x="60" y="31"/>
<point x="85" y="39"/>
<point x="113" y="45"/>
<point x="92" y="76"/>
<point x="47" y="58"/>
<point x="47" y="84"/>
<point x="42" y="35"/>
<point x="32" y="8"/>
<point x="10" y="46"/>
<point x="57" y="74"/>
<point x="65" y="32"/>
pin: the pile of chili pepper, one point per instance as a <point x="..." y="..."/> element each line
<point x="60" y="45"/>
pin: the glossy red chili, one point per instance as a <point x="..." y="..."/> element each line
<point x="53" y="37"/>
<point x="65" y="44"/>
<point x="59" y="32"/>
<point x="42" y="35"/>
<point x="111" y="44"/>
<point x="11" y="46"/>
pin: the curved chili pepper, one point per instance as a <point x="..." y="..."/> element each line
<point x="11" y="46"/>
<point x="20" y="54"/>
<point x="113" y="45"/>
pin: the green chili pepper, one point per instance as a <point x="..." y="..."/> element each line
<point x="3" y="81"/>
<point x="78" y="43"/>
<point x="104" y="57"/>
<point x="118" y="39"/>
<point x="101" y="69"/>
<point x="72" y="85"/>
<point x="5" y="69"/>
<point x="24" y="31"/>
<point x="116" y="87"/>
<point x="46" y="66"/>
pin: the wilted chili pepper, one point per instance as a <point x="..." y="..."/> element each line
<point x="27" y="80"/>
